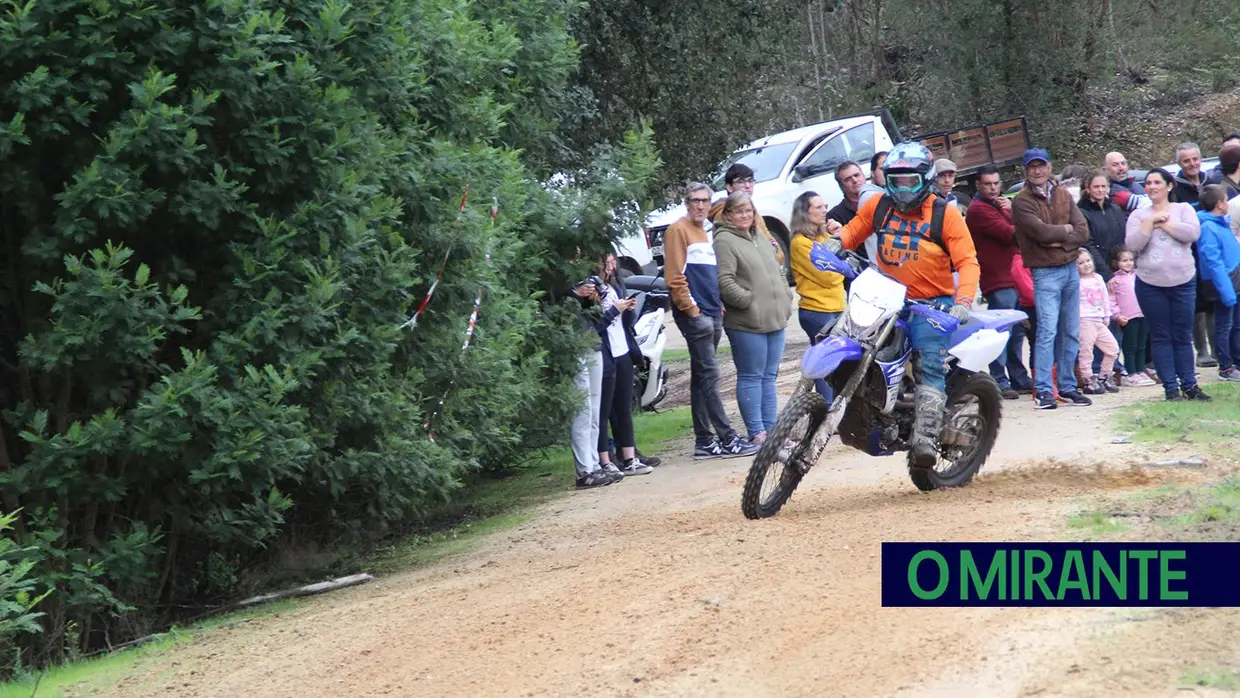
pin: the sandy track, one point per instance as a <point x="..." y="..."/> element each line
<point x="657" y="586"/>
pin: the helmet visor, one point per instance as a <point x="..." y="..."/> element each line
<point x="904" y="181"/>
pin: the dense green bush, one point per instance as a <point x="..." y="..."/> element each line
<point x="216" y="216"/>
<point x="18" y="595"/>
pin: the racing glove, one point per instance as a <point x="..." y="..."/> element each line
<point x="818" y="255"/>
<point x="835" y="245"/>
<point x="960" y="312"/>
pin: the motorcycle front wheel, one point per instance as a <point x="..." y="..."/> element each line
<point x="782" y="461"/>
<point x="974" y="409"/>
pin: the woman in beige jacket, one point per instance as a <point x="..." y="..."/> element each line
<point x="757" y="303"/>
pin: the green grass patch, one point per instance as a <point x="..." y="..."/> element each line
<point x="1218" y="503"/>
<point x="1098" y="523"/>
<point x="1215" y="423"/>
<point x="1222" y="679"/>
<point x="97" y="674"/>
<point x="655" y="429"/>
<point x="1160" y="492"/>
<point x="683" y="354"/>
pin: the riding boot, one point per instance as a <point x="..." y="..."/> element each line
<point x="1203" y="324"/>
<point x="927" y="422"/>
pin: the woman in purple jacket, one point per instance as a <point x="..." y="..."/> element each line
<point x="1162" y="237"/>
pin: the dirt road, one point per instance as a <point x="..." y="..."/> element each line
<point x="657" y="586"/>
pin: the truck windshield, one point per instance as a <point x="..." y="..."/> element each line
<point x="766" y="162"/>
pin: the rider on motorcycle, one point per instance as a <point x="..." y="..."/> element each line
<point x="911" y="251"/>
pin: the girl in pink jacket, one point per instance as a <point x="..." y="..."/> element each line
<point x="1126" y="312"/>
<point x="1095" y="316"/>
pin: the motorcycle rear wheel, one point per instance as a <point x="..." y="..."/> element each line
<point x="979" y="389"/>
<point x="793" y="434"/>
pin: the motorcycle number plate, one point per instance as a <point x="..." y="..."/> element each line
<point x="873" y="296"/>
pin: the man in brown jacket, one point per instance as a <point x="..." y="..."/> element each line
<point x="1050" y="230"/>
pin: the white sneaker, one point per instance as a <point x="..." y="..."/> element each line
<point x="634" y="466"/>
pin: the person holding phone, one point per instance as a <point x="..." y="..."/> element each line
<point x="616" y="401"/>
<point x="589" y="380"/>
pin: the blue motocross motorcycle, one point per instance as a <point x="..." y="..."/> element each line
<point x="865" y="358"/>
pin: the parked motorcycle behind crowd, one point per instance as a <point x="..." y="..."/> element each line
<point x="653" y="303"/>
<point x="864" y="357"/>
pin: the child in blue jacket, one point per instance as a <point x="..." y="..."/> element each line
<point x="1220" y="265"/>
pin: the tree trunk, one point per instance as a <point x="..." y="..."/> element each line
<point x="827" y="56"/>
<point x="1010" y="56"/>
<point x="879" y="63"/>
<point x="813" y="44"/>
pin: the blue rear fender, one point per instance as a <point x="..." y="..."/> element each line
<point x="823" y="358"/>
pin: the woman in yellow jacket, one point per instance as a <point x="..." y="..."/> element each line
<point x="822" y="292"/>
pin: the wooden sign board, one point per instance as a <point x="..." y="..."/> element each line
<point x="1008" y="140"/>
<point x="968" y="148"/>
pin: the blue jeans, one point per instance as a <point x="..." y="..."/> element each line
<point x="1009" y="370"/>
<point x="757" y="356"/>
<point x="931" y="347"/>
<point x="1169" y="311"/>
<point x="812" y="321"/>
<point x="1056" y="296"/>
<point x="1227" y="334"/>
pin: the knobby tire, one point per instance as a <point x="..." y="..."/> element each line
<point x="754" y="507"/>
<point x="990" y="407"/>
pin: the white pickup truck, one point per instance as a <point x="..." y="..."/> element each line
<point x="787" y="164"/>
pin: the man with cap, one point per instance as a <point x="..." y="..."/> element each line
<point x="945" y="182"/>
<point x="1050" y="230"/>
<point x="740" y="178"/>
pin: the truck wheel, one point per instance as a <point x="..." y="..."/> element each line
<point x="781" y="234"/>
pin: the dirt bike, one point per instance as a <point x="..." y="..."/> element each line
<point x="864" y="358"/>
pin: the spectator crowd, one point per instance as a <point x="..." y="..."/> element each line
<point x="1126" y="284"/>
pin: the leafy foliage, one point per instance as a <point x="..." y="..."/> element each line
<point x="18" y="592"/>
<point x="215" y="219"/>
